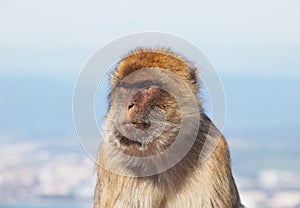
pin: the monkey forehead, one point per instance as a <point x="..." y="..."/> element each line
<point x="156" y="58"/>
<point x="138" y="76"/>
<point x="153" y="74"/>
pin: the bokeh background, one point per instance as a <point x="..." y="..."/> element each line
<point x="254" y="45"/>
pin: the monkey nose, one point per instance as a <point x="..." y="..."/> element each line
<point x="132" y="111"/>
<point x="130" y="106"/>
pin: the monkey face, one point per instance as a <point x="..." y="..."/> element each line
<point x="140" y="117"/>
<point x="147" y="110"/>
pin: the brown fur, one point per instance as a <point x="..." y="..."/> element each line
<point x="188" y="184"/>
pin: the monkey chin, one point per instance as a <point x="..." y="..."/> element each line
<point x="129" y="142"/>
<point x="131" y="139"/>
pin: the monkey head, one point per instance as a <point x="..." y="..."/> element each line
<point x="144" y="108"/>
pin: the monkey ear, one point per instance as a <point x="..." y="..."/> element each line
<point x="114" y="80"/>
<point x="193" y="76"/>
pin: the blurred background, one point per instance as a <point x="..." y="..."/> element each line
<point x="254" y="45"/>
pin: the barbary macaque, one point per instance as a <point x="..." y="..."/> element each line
<point x="154" y="153"/>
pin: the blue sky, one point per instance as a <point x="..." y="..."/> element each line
<point x="245" y="37"/>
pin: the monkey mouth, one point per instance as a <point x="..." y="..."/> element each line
<point x="139" y="125"/>
<point x="127" y="142"/>
<point x="130" y="134"/>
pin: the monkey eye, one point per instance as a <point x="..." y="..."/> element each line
<point x="124" y="85"/>
<point x="144" y="84"/>
<point x="147" y="83"/>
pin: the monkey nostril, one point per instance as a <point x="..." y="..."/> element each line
<point x="130" y="106"/>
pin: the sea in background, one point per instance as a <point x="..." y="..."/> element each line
<point x="44" y="164"/>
